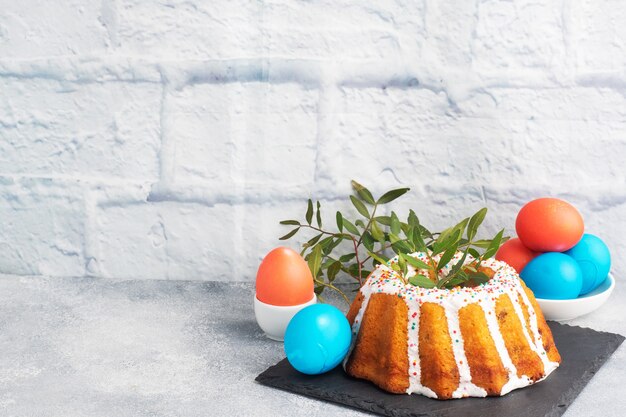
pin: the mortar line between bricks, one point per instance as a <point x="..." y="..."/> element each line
<point x="90" y="255"/>
<point x="326" y="117"/>
<point x="254" y="193"/>
<point x="167" y="152"/>
<point x="80" y="178"/>
<point x="281" y="194"/>
<point x="353" y="73"/>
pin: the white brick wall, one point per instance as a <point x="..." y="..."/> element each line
<point x="144" y="139"/>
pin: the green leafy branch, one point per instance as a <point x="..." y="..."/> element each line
<point x="372" y="237"/>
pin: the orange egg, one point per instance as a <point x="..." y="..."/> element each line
<point x="514" y="253"/>
<point x="284" y="279"/>
<point x="549" y="225"/>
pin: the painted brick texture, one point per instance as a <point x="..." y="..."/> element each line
<point x="165" y="140"/>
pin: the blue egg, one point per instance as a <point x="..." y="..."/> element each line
<point x="594" y="260"/>
<point x="553" y="276"/>
<point x="317" y="339"/>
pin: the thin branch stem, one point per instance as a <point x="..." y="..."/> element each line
<point x="356" y="251"/>
<point x="357" y="244"/>
<point x="354" y="242"/>
<point x="332" y="287"/>
<point x="369" y="223"/>
<point x="319" y="230"/>
<point x="377" y="252"/>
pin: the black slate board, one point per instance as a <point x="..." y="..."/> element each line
<point x="583" y="352"/>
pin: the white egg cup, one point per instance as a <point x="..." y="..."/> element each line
<point x="273" y="320"/>
<point x="562" y="310"/>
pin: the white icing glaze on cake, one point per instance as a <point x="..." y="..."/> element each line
<point x="505" y="281"/>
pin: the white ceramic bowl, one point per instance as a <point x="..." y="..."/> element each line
<point x="561" y="310"/>
<point x="273" y="320"/>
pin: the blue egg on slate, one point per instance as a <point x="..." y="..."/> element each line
<point x="594" y="259"/>
<point x="317" y="339"/>
<point x="553" y="276"/>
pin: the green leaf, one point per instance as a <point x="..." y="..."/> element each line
<point x="408" y="231"/>
<point x="449" y="236"/>
<point x="347" y="257"/>
<point x="443" y="236"/>
<point x="393" y="238"/>
<point x="389" y="196"/>
<point x="350" y="227"/>
<point x="318" y="215"/>
<point x="462" y="225"/>
<point x="368" y="241"/>
<point x="479" y="277"/>
<point x="421" y="281"/>
<point x="473" y="252"/>
<point x="315" y="260"/>
<point x="319" y="289"/>
<point x="344" y="236"/>
<point x="474" y="223"/>
<point x="398" y="244"/>
<point x="457" y="266"/>
<point x="415" y="262"/>
<point x="309" y="212"/>
<point x="494" y="246"/>
<point x="446" y="239"/>
<point x="456" y="281"/>
<point x="339" y="219"/>
<point x="482" y="243"/>
<point x="332" y="246"/>
<point x="363" y="192"/>
<point x="400" y="247"/>
<point x="447" y="256"/>
<point x="379" y="258"/>
<point x="290" y="222"/>
<point x="333" y="270"/>
<point x="460" y="276"/>
<point x="396" y="267"/>
<point x="360" y="207"/>
<point x="395" y="224"/>
<point x="418" y="240"/>
<point x="414" y="221"/>
<point x="403" y="266"/>
<point x="359" y="222"/>
<point x="384" y="220"/>
<point x="327" y="262"/>
<point x="377" y="233"/>
<point x="313" y="240"/>
<point x="326" y="241"/>
<point x="353" y="270"/>
<point x="409" y="239"/>
<point x="290" y="234"/>
<point x="425" y="232"/>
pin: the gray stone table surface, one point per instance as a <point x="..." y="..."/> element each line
<point x="92" y="347"/>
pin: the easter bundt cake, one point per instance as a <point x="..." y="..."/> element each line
<point x="479" y="341"/>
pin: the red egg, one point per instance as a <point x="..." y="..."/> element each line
<point x="514" y="253"/>
<point x="549" y="225"/>
<point x="284" y="279"/>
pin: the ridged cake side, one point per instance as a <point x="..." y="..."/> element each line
<point x="464" y="342"/>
